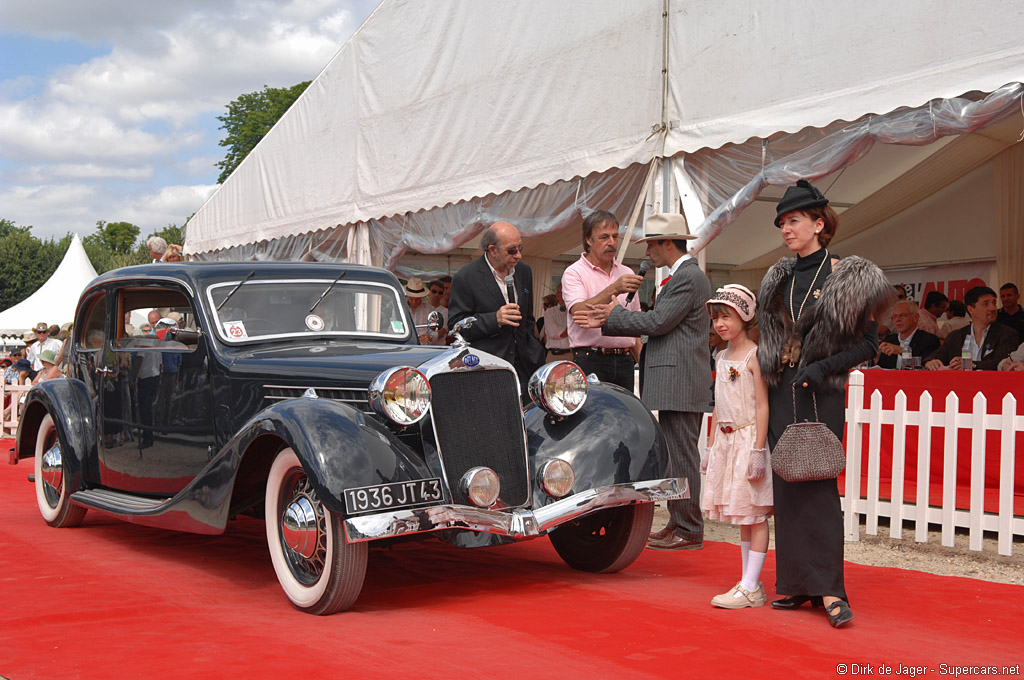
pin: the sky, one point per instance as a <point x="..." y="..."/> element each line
<point x="108" y="108"/>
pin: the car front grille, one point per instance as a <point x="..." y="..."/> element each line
<point x="478" y="421"/>
<point x="354" y="397"/>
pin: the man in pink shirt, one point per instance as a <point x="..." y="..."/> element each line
<point x="596" y="278"/>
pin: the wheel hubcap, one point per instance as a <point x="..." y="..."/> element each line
<point x="52" y="469"/>
<point x="303" y="527"/>
<point x="299" y="527"/>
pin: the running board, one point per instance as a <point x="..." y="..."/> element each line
<point x="117" y="502"/>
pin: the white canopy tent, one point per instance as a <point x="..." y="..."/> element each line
<point x="56" y="300"/>
<point x="438" y="118"/>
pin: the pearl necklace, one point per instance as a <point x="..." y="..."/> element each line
<point x="795" y="315"/>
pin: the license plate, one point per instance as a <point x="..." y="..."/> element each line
<point x="394" y="495"/>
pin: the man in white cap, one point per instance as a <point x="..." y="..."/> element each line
<point x="677" y="377"/>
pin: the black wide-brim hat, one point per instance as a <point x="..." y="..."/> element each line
<point x="803" y="195"/>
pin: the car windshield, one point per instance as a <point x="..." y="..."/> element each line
<point x="261" y="309"/>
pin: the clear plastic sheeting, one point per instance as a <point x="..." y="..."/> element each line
<point x="536" y="211"/>
<point x="730" y="178"/>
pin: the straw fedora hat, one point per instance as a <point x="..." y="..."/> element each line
<point x="415" y="288"/>
<point x="662" y="226"/>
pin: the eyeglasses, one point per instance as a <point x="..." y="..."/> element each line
<point x="512" y="250"/>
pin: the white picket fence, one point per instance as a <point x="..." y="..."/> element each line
<point x="9" y="425"/>
<point x="867" y="423"/>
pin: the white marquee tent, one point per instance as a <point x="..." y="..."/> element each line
<point x="56" y="300"/>
<point x="437" y="118"/>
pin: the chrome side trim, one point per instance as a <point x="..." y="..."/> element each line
<point x="521" y="523"/>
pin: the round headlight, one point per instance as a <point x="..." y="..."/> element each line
<point x="557" y="478"/>
<point x="559" y="388"/>
<point x="401" y="394"/>
<point x="482" y="486"/>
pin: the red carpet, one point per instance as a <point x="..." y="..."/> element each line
<point x="115" y="600"/>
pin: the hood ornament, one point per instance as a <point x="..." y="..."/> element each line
<point x="461" y="342"/>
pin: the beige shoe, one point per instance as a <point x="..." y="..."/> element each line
<point x="739" y="597"/>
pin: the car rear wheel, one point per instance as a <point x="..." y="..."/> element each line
<point x="51" y="491"/>
<point x="320" y="572"/>
<point x="607" y="541"/>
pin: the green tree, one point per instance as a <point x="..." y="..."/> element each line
<point x="117" y="237"/>
<point x="7" y="227"/>
<point x="25" y="264"/>
<point x="249" y="118"/>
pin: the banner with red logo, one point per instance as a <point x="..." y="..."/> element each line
<point x="953" y="280"/>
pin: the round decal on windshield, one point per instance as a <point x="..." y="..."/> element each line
<point x="314" y="322"/>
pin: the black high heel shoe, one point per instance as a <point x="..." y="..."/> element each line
<point x="794" y="601"/>
<point x="839" y="613"/>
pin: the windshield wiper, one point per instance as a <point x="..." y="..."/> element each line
<point x="326" y="291"/>
<point x="228" y="297"/>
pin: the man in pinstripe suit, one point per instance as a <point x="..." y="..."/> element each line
<point x="677" y="375"/>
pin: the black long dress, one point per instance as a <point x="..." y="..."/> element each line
<point x="808" y="515"/>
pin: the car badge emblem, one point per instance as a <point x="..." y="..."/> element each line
<point x="471" y="360"/>
<point x="314" y="322"/>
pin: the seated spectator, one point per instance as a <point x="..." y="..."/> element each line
<point x="987" y="341"/>
<point x="935" y="304"/>
<point x="954" y="318"/>
<point x="907" y="335"/>
<point x="1014" y="362"/>
<point x="50" y="369"/>
<point x="885" y="327"/>
<point x="25" y="376"/>
<point x="7" y="363"/>
<point x="44" y="342"/>
<point x="1011" y="314"/>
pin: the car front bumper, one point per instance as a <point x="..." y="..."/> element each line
<point x="515" y="523"/>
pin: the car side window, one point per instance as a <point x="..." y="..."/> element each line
<point x="155" y="318"/>
<point x="91" y="335"/>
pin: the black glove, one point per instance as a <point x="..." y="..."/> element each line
<point x="812" y="374"/>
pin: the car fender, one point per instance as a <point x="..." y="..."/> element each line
<point x="613" y="439"/>
<point x="338" y="446"/>
<point x="68" y="403"/>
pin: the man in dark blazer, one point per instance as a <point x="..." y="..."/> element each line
<point x="677" y="371"/>
<point x="904" y="320"/>
<point x="989" y="342"/>
<point x="503" y="327"/>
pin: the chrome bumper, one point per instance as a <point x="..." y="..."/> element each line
<point x="518" y="523"/>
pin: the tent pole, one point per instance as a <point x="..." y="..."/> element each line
<point x="640" y="200"/>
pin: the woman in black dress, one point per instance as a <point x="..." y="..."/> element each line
<point x="816" y="314"/>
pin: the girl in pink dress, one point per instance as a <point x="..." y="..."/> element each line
<point x="738" y="488"/>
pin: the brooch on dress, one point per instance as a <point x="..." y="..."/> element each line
<point x="816" y="293"/>
<point x="733" y="373"/>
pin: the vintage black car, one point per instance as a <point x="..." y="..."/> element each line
<point x="299" y="393"/>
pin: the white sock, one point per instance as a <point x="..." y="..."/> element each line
<point x="744" y="551"/>
<point x="752" y="574"/>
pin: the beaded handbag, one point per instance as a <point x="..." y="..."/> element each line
<point x="808" y="451"/>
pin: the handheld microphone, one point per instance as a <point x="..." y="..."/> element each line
<point x="510" y="288"/>
<point x="644" y="266"/>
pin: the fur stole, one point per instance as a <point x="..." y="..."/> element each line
<point x="856" y="293"/>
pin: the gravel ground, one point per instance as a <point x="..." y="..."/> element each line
<point x="931" y="557"/>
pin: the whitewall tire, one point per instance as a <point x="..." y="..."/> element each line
<point x="319" y="572"/>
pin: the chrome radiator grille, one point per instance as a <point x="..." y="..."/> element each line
<point x="478" y="421"/>
<point x="354" y="397"/>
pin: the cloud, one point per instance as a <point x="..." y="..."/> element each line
<point x="41" y="174"/>
<point x="101" y="139"/>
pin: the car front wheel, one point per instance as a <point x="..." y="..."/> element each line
<point x="606" y="541"/>
<point x="320" y="572"/>
<point x="51" y="491"/>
